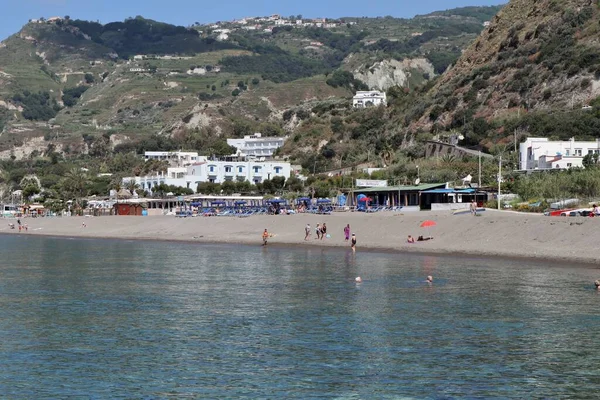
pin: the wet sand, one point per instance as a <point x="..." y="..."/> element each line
<point x="492" y="234"/>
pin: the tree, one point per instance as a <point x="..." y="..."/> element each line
<point x="89" y="78"/>
<point x="74" y="184"/>
<point x="132" y="186"/>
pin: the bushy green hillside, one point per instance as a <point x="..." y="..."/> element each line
<point x="74" y="82"/>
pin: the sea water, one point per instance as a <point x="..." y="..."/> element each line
<point x="129" y="319"/>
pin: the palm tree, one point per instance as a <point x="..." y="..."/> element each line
<point x="132" y="186"/>
<point x="75" y="184"/>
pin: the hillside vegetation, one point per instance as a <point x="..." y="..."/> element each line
<point x="69" y="84"/>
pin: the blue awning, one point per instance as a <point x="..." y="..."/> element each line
<point x="321" y="201"/>
<point x="241" y="202"/>
<point x="449" y="191"/>
<point x="217" y="203"/>
<point x="276" y="201"/>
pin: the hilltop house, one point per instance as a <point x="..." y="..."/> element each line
<point x="364" y="99"/>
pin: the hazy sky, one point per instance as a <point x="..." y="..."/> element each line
<point x="185" y="12"/>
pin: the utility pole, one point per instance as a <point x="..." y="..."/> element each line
<point x="515" y="140"/>
<point x="499" y="179"/>
<point x="479" y="182"/>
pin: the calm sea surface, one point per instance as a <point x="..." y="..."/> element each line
<point x="113" y="319"/>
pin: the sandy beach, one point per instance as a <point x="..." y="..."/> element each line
<point x="492" y="234"/>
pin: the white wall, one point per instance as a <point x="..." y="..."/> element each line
<point x="532" y="149"/>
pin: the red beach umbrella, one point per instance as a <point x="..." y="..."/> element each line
<point x="428" y="223"/>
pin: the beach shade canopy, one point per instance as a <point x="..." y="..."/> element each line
<point x="196" y="204"/>
<point x="304" y="199"/>
<point x="427" y="224"/>
<point x="240" y="203"/>
<point x="124" y="194"/>
<point x="364" y="199"/>
<point x="277" y="201"/>
<point x="217" y="203"/>
<point x="322" y="201"/>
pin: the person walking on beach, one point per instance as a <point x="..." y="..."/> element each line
<point x="474" y="208"/>
<point x="323" y="231"/>
<point x="307" y="232"/>
<point x="347" y="232"/>
<point x="353" y="242"/>
<point x="265" y="237"/>
<point x="318" y="231"/>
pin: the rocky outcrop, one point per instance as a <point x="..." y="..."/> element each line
<point x="388" y="73"/>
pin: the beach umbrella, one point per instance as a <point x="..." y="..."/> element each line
<point x="428" y="224"/>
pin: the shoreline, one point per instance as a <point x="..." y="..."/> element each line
<point x="495" y="234"/>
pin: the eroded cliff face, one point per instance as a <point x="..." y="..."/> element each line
<point x="388" y="73"/>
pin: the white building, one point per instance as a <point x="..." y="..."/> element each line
<point x="251" y="171"/>
<point x="214" y="171"/>
<point x="369" y="99"/>
<point x="256" y="145"/>
<point x="175" y="158"/>
<point x="541" y="153"/>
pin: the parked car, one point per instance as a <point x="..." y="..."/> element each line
<point x="581" y="212"/>
<point x="556" y="213"/>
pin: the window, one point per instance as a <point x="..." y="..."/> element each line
<point x="228" y="169"/>
<point x="240" y="170"/>
<point x="590" y="151"/>
<point x="278" y="170"/>
<point x="568" y="165"/>
<point x="211" y="168"/>
<point x="577" y="152"/>
<point x="256" y="170"/>
<point x="567" y="152"/>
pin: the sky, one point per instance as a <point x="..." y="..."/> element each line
<point x="185" y="12"/>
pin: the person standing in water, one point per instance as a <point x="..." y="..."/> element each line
<point x="353" y="242"/>
<point x="265" y="237"/>
<point x="323" y="231"/>
<point x="318" y="231"/>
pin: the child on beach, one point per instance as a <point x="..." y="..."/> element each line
<point x="318" y="231"/>
<point x="410" y="239"/>
<point x="307" y="232"/>
<point x="347" y="232"/>
<point x="265" y="237"/>
<point x="323" y="231"/>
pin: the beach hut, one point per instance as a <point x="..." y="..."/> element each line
<point x="135" y="209"/>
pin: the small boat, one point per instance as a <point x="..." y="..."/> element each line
<point x="467" y="211"/>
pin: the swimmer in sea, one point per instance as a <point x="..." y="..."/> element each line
<point x="597" y="284"/>
<point x="429" y="279"/>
